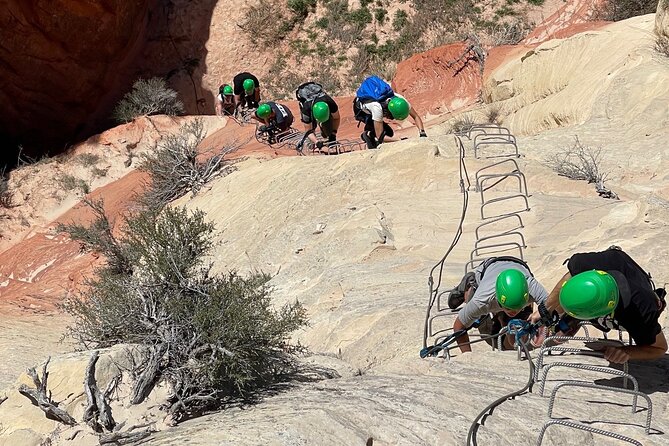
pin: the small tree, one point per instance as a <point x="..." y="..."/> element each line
<point x="210" y="337"/>
<point x="148" y="97"/>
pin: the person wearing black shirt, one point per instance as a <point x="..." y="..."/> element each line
<point x="637" y="305"/>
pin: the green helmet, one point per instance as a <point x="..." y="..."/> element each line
<point x="264" y="111"/>
<point x="249" y="86"/>
<point x="589" y="295"/>
<point x="511" y="289"/>
<point x="227" y="90"/>
<point x="321" y="111"/>
<point x="399" y="108"/>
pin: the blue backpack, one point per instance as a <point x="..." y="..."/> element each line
<point x="374" y="89"/>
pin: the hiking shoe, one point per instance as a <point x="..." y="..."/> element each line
<point x="455" y="299"/>
<point x="368" y="140"/>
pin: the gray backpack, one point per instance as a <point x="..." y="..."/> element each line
<point x="309" y="91"/>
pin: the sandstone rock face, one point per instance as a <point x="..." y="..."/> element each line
<point x="60" y="60"/>
<point x="662" y="18"/>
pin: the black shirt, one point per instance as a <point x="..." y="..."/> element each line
<point x="305" y="108"/>
<point x="283" y="118"/>
<point x="238" y="82"/>
<point x="637" y="310"/>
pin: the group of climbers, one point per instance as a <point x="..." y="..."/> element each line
<point x="374" y="103"/>
<point x="607" y="288"/>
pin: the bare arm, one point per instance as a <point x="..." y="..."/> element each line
<point x="335" y="121"/>
<point x="462" y="340"/>
<point x="416" y="119"/>
<point x="219" y="108"/>
<point x="638" y="352"/>
<point x="553" y="300"/>
<point x="312" y="135"/>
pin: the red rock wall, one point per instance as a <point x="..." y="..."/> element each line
<point x="59" y="60"/>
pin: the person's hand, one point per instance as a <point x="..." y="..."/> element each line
<point x="423" y="134"/>
<point x="319" y="144"/>
<point x="534" y="317"/>
<point x="262" y="128"/>
<point x="616" y="355"/>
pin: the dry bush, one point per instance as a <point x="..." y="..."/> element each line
<point x="508" y="33"/>
<point x="212" y="338"/>
<point x="579" y="162"/>
<point x="616" y="10"/>
<point x="148" y="97"/>
<point x="462" y="124"/>
<point x="86" y="159"/>
<point x="174" y="167"/>
<point x="493" y="114"/>
<point x="70" y="182"/>
<point x="662" y="45"/>
<point x="6" y="196"/>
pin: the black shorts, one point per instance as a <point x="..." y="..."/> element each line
<point x="238" y="82"/>
<point x="305" y="108"/>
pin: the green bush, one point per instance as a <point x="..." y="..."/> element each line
<point x="301" y="7"/>
<point x="148" y="97"/>
<point x="380" y="15"/>
<point x="400" y="20"/>
<point x="211" y="337"/>
<point x="360" y="17"/>
<point x="322" y="23"/>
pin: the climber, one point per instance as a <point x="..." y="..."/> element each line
<point x="612" y="291"/>
<point x="317" y="108"/>
<point x="276" y="119"/>
<point x="376" y="100"/>
<point x="503" y="286"/>
<point x="247" y="90"/>
<point x="225" y="101"/>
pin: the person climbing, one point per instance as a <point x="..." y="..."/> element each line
<point x="376" y="100"/>
<point x="225" y="101"/>
<point x="276" y="119"/>
<point x="503" y="286"/>
<point x="247" y="90"/>
<point x="612" y="291"/>
<point x="318" y="109"/>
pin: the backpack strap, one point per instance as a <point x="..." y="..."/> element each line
<point x="492" y="260"/>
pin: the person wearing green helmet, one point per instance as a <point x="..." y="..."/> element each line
<point x="612" y="291"/>
<point x="318" y="109"/>
<point x="225" y="101"/>
<point x="275" y="118"/>
<point x="247" y="90"/>
<point x="372" y="111"/>
<point x="502" y="286"/>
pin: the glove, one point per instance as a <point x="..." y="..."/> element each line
<point x="319" y="144"/>
<point x="262" y="128"/>
<point x="423" y="134"/>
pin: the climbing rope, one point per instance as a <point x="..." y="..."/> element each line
<point x="434" y="290"/>
<point x="479" y="420"/>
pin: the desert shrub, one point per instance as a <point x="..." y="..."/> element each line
<point x="210" y="337"/>
<point x="322" y="23"/>
<point x="174" y="168"/>
<point x="580" y="162"/>
<point x="380" y="15"/>
<point x="507" y="33"/>
<point x="662" y="45"/>
<point x="400" y="20"/>
<point x="360" y="17"/>
<point x="148" y="97"/>
<point x="493" y="114"/>
<point x="70" y="182"/>
<point x="6" y="195"/>
<point x="616" y="10"/>
<point x="86" y="159"/>
<point x="462" y="124"/>
<point x="301" y="7"/>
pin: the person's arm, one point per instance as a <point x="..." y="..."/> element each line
<point x="309" y="127"/>
<point x="462" y="340"/>
<point x="218" y="107"/>
<point x="553" y="301"/>
<point x="621" y="355"/>
<point x="335" y="121"/>
<point x="417" y="121"/>
<point x="238" y="101"/>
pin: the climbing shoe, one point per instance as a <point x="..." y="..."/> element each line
<point x="371" y="144"/>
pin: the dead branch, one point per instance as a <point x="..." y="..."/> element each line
<point x="121" y="438"/>
<point x="41" y="399"/>
<point x="147" y="379"/>
<point x="98" y="414"/>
